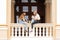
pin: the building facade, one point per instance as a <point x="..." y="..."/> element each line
<point x="49" y="29"/>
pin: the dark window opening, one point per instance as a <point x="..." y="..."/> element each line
<point x="28" y="6"/>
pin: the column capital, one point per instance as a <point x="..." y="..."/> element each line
<point x="48" y="1"/>
<point x="13" y="1"/>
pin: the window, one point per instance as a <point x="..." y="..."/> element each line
<point x="17" y="8"/>
<point x="25" y="8"/>
<point x="28" y="6"/>
<point x="33" y="1"/>
<point x="33" y="8"/>
<point x="23" y="1"/>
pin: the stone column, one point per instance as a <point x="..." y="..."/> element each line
<point x="12" y="11"/>
<point x="48" y="11"/>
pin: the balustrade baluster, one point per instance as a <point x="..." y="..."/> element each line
<point x="47" y="31"/>
<point x="12" y="31"/>
<point x="40" y="31"/>
<point x="52" y="31"/>
<point x="24" y="33"/>
<point x="19" y="31"/>
<point x="16" y="31"/>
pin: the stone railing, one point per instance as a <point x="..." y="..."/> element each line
<point x="39" y="30"/>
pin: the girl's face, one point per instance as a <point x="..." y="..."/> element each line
<point x="24" y="13"/>
<point x="35" y="12"/>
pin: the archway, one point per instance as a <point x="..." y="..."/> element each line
<point x="44" y="9"/>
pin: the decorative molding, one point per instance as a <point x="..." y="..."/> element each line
<point x="13" y="1"/>
<point x="48" y="1"/>
<point x="3" y="25"/>
<point x="58" y="25"/>
<point x="3" y="28"/>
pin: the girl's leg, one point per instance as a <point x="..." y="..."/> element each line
<point x="25" y="27"/>
<point x="32" y="21"/>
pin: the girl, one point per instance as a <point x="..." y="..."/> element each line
<point x="22" y="20"/>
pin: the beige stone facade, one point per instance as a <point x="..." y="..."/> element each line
<point x="50" y="18"/>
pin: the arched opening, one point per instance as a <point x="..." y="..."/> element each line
<point x="43" y="8"/>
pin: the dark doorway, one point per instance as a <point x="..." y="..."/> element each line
<point x="28" y="6"/>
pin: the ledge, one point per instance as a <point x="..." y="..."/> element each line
<point x="3" y="27"/>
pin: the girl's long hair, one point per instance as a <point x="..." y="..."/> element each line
<point x="21" y="16"/>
